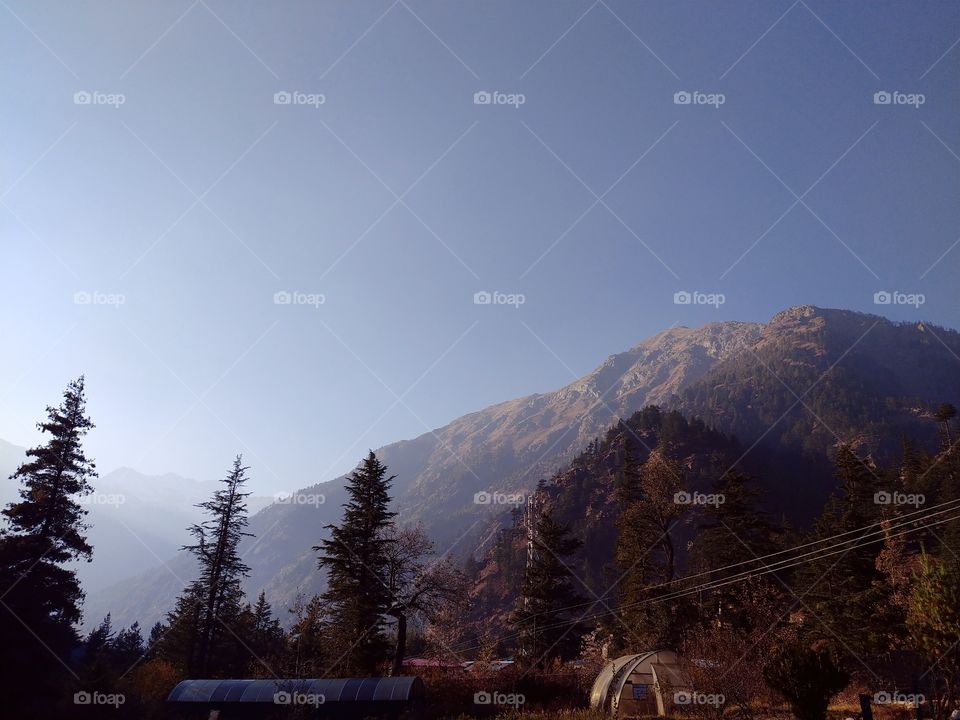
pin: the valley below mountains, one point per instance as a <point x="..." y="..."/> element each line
<point x="784" y="393"/>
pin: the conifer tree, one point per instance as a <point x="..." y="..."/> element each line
<point x="175" y="641"/>
<point x="645" y="556"/>
<point x="933" y="621"/>
<point x="156" y="633"/>
<point x="844" y="590"/>
<point x="544" y="619"/>
<point x="107" y="656"/>
<point x="307" y="653"/>
<point x="44" y="530"/>
<point x="355" y="558"/>
<point x="261" y="634"/>
<point x="128" y="648"/>
<point x="943" y="476"/>
<point x="212" y="603"/>
<point x="733" y="530"/>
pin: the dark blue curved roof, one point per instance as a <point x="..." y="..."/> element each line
<point x="337" y="690"/>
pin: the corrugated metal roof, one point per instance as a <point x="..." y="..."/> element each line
<point x="317" y="691"/>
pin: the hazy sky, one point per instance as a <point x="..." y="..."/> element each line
<point x="184" y="190"/>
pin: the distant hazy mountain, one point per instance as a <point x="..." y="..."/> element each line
<point x="864" y="372"/>
<point x="136" y="521"/>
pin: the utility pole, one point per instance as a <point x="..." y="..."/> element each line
<point x="531" y="515"/>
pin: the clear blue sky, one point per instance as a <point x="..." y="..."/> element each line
<point x="199" y="198"/>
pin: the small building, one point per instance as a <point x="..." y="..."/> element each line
<point x="638" y="685"/>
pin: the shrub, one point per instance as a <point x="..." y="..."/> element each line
<point x="806" y="678"/>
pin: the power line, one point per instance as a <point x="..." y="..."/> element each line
<point x="697" y="589"/>
<point x="727" y="581"/>
<point x="788" y="563"/>
<point x="901" y="520"/>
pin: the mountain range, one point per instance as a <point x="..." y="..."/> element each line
<point x="787" y="391"/>
<point x="136" y="520"/>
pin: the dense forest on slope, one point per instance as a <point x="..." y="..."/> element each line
<point x="584" y="497"/>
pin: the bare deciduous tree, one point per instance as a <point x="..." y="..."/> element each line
<point x="418" y="583"/>
<point x="725" y="662"/>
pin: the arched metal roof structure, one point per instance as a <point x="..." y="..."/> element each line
<point x="658" y="667"/>
<point x="299" y="691"/>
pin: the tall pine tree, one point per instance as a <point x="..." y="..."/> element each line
<point x="45" y="531"/>
<point x="843" y="590"/>
<point x="645" y="556"/>
<point x="355" y="558"/>
<point x="732" y="532"/>
<point x="212" y="604"/>
<point x="262" y="635"/>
